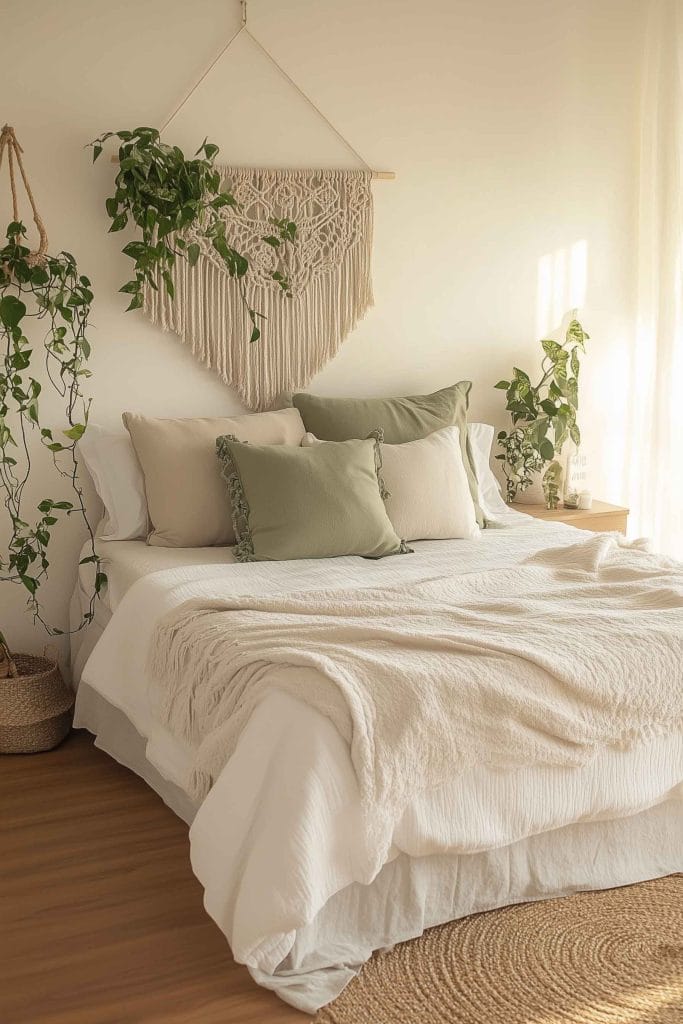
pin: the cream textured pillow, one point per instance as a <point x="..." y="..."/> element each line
<point x="186" y="497"/>
<point x="429" y="492"/>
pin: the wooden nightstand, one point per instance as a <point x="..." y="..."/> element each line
<point x="600" y="518"/>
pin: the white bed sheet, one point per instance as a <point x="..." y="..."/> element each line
<point x="124" y="562"/>
<point x="127" y="561"/>
<point x="290" y="786"/>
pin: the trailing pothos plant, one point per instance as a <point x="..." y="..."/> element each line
<point x="51" y="292"/>
<point x="543" y="415"/>
<point x="163" y="193"/>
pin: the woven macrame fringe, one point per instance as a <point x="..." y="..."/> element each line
<point x="299" y="336"/>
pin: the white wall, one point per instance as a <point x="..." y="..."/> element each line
<point x="512" y="130"/>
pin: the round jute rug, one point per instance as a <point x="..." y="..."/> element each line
<point x="612" y="957"/>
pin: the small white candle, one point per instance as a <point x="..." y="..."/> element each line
<point x="585" y="500"/>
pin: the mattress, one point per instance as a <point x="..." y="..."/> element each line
<point x="290" y="785"/>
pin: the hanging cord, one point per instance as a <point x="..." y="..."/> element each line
<point x="8" y="141"/>
<point x="308" y="99"/>
<point x="243" y="28"/>
<point x="208" y="71"/>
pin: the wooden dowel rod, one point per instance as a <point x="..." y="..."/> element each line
<point x="376" y="175"/>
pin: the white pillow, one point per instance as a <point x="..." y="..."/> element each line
<point x="430" y="494"/>
<point x="113" y="465"/>
<point x="490" y="499"/>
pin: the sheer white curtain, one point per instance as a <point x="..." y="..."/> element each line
<point x="655" y="454"/>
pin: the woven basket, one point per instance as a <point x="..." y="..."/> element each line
<point x="36" y="708"/>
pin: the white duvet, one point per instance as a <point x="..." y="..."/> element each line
<point x="278" y="835"/>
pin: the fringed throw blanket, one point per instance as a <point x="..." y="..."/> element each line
<point x="577" y="648"/>
<point x="328" y="268"/>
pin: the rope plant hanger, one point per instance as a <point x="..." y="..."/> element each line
<point x="9" y="143"/>
<point x="328" y="265"/>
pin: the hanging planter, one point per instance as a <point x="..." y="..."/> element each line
<point x="35" y="704"/>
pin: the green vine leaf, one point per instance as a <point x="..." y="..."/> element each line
<point x="12" y="310"/>
<point x="76" y="432"/>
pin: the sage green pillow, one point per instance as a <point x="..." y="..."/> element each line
<point x="318" y="502"/>
<point x="401" y="420"/>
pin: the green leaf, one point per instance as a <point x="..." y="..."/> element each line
<point x="576" y="333"/>
<point x="272" y="241"/>
<point x="135" y="249"/>
<point x="12" y="310"/>
<point x="223" y="199"/>
<point x="119" y="222"/>
<point x="193" y="251"/>
<point x="96" y="150"/>
<point x="546" y="450"/>
<point x="75" y="433"/>
<point x="551" y="348"/>
<point x="575" y="434"/>
<point x="255" y="335"/>
<point x="548" y="407"/>
<point x="168" y="281"/>
<point x="29" y="582"/>
<point x="39" y="276"/>
<point x="241" y="264"/>
<point x="502" y="385"/>
<point x="574" y="362"/>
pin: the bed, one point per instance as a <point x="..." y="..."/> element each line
<point x="305" y="920"/>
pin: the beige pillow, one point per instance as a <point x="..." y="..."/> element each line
<point x="429" y="494"/>
<point x="186" y="497"/>
<point x="317" y="502"/>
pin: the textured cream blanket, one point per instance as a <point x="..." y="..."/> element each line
<point x="576" y="648"/>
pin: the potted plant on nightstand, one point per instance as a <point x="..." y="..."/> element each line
<point x="543" y="417"/>
<point x="35" y="703"/>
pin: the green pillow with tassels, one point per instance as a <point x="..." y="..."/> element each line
<point x="319" y="502"/>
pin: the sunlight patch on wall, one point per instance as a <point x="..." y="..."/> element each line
<point x="562" y="278"/>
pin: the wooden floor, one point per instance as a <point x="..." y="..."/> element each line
<point x="101" y="918"/>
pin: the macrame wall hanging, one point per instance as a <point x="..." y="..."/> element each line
<point x="328" y="269"/>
